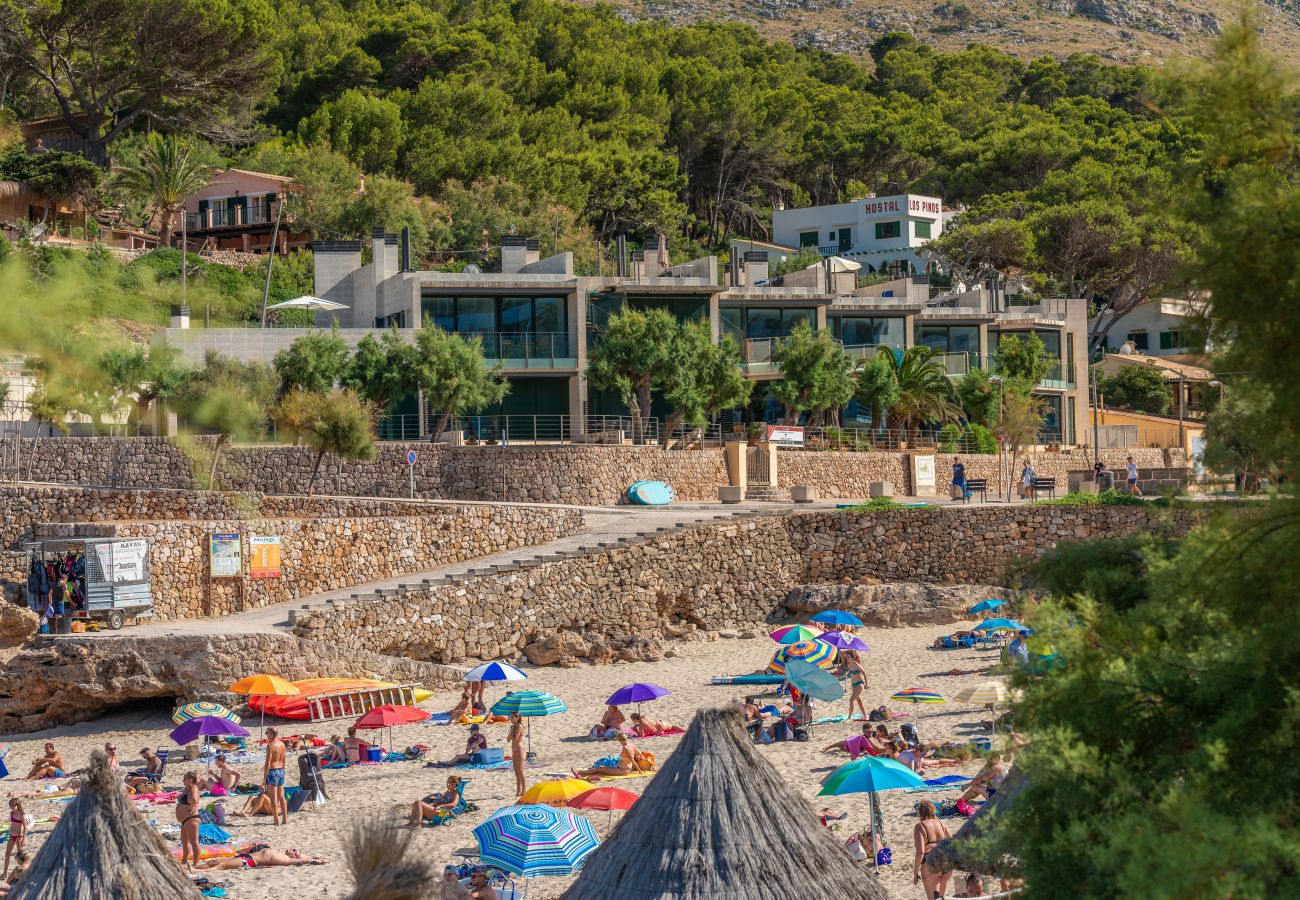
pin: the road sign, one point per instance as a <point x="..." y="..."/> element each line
<point x="410" y="457"/>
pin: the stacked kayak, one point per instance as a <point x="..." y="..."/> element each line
<point x="295" y="707"/>
<point x="650" y="493"/>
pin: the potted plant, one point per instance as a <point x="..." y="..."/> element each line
<point x="755" y="432"/>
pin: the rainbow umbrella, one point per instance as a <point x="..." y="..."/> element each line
<point x="201" y="708"/>
<point x="793" y="634"/>
<point x="818" y="653"/>
<point x="535" y="840"/>
<point x="918" y="695"/>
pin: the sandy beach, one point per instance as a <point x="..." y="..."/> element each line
<point x="900" y="658"/>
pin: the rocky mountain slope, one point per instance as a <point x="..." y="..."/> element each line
<point x="1122" y="30"/>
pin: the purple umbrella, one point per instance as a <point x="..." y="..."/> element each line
<point x="844" y="641"/>
<point x="206" y="726"/>
<point x="637" y="693"/>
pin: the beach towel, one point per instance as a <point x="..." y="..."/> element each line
<point x="439" y="719"/>
<point x="614" y="777"/>
<point x="503" y="764"/>
<point x="943" y="783"/>
<point x="213" y="834"/>
<point x="645" y="737"/>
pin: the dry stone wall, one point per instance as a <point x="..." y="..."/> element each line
<point x="324" y="554"/>
<point x="717" y="575"/>
<point x="60" y="681"/>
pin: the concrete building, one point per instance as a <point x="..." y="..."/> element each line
<point x="237" y="211"/>
<point x="885" y="234"/>
<point x="1165" y="327"/>
<point x="537" y="319"/>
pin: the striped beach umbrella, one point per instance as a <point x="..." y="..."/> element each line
<point x="818" y="653"/>
<point x="528" y="704"/>
<point x="984" y="693"/>
<point x="793" y="634"/>
<point x="918" y="695"/>
<point x="201" y="708"/>
<point x="495" y="671"/>
<point x="535" y="840"/>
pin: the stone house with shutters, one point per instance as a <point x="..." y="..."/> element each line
<point x="237" y="211"/>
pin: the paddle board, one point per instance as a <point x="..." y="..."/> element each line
<point x="650" y="493"/>
<point x="295" y="707"/>
<point x="747" y="679"/>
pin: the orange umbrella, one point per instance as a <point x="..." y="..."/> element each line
<point x="263" y="686"/>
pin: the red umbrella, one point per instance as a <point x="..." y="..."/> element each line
<point x="390" y="714"/>
<point x="608" y="798"/>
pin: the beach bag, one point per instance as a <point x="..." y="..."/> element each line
<point x="964" y="808"/>
<point x="855" y="848"/>
<point x="801" y="733"/>
<point x="645" y="760"/>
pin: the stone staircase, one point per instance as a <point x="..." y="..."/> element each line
<point x="520" y="559"/>
<point x="767" y="493"/>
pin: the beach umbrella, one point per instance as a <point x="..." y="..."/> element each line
<point x="870" y="775"/>
<point x="918" y="695"/>
<point x="389" y="715"/>
<point x="638" y="693"/>
<point x="814" y="681"/>
<point x="842" y="640"/>
<point x="985" y="606"/>
<point x="837" y="617"/>
<point x="202" y="708"/>
<point x="306" y="302"/>
<point x="988" y="693"/>
<point x="999" y="625"/>
<point x="528" y="704"/>
<point x="555" y="791"/>
<point x="264" y="686"/>
<point x="495" y="671"/>
<point x="535" y="840"/>
<point x="819" y="653"/>
<point x="206" y="726"/>
<point x="793" y="634"/>
<point x="606" y="798"/>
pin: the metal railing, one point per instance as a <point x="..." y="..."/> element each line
<point x="866" y="440"/>
<point x="538" y="350"/>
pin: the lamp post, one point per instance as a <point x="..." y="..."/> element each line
<point x="995" y="379"/>
<point x="1218" y="384"/>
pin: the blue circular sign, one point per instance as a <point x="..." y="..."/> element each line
<point x="410" y="457"/>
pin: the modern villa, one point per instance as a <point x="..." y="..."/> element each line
<point x="537" y="319"/>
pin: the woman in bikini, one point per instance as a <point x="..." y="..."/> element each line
<point x="928" y="832"/>
<point x="517" y="755"/>
<point x="857" y="680"/>
<point x="625" y="763"/>
<point x="428" y="807"/>
<point x="187" y="813"/>
<point x="650" y="727"/>
<point x="264" y="856"/>
<point x="17" y="831"/>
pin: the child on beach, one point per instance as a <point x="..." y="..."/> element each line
<point x="17" y="831"/>
<point x="23" y="860"/>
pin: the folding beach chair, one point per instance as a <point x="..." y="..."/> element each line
<point x="445" y="816"/>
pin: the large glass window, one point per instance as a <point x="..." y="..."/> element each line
<point x="476" y="315"/>
<point x="762" y="323"/>
<point x="867" y="331"/>
<point x="733" y="320"/>
<point x="512" y="327"/>
<point x="440" y="310"/>
<point x="950" y="338"/>
<point x="1051" y="340"/>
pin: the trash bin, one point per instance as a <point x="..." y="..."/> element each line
<point x="1106" y="481"/>
<point x="65" y="625"/>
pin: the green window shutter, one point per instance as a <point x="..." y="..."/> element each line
<point x="923" y="229"/>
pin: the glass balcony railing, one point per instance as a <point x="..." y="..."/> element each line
<point x="539" y="350"/>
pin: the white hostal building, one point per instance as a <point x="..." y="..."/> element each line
<point x="882" y="233"/>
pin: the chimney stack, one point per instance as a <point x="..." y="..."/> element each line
<point x="532" y="251"/>
<point x="620" y="253"/>
<point x="514" y="254"/>
<point x="404" y="260"/>
<point x="180" y="316"/>
<point x="755" y="266"/>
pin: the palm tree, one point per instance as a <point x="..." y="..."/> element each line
<point x="168" y="171"/>
<point x="925" y="393"/>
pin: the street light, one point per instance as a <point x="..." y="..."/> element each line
<point x="1002" y="462"/>
<point x="1218" y="384"/>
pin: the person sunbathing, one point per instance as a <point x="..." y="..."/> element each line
<point x="857" y="745"/>
<point x="263" y="856"/>
<point x="988" y="782"/>
<point x="153" y="765"/>
<point x="354" y="748"/>
<point x="299" y="742"/>
<point x="257" y="805"/>
<point x="974" y="887"/>
<point x="462" y="707"/>
<point x="51" y="765"/>
<point x="334" y="752"/>
<point x="625" y="763"/>
<point x="651" y="727"/>
<point x="609" y="723"/>
<point x="429" y="807"/>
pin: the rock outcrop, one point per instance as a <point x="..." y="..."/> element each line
<point x="59" y="681"/>
<point x="892" y="603"/>
<point x="17" y="625"/>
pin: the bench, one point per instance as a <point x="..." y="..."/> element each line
<point x="1044" y="484"/>
<point x="976" y="486"/>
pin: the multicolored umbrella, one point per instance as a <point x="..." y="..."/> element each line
<point x="202" y="708"/>
<point x="842" y="640"/>
<point x="985" y="606"/>
<point x="495" y="671"/>
<point x="984" y="693"/>
<point x="535" y="840"/>
<point x="528" y="704"/>
<point x="837" y="617"/>
<point x="870" y="775"/>
<point x="793" y="634"/>
<point x="918" y="695"/>
<point x="555" y="791"/>
<point x="999" y="625"/>
<point x="206" y="726"/>
<point x="637" y="692"/>
<point x="819" y="653"/>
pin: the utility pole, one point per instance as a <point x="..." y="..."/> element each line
<point x="185" y="253"/>
<point x="270" y="254"/>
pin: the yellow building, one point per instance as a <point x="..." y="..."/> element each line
<point x="1126" y="429"/>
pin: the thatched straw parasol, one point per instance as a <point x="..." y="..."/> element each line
<point x="103" y="849"/>
<point x="385" y="866"/>
<point x="973" y="847"/>
<point x="718" y="822"/>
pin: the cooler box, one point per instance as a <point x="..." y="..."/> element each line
<point x="490" y="755"/>
<point x="374" y="754"/>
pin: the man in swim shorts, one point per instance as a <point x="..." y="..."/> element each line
<point x="273" y="777"/>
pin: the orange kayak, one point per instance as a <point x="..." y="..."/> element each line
<point x="295" y="706"/>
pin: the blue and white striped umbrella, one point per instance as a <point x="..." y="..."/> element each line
<point x="535" y="840"/>
<point x="528" y="703"/>
<point x="495" y="671"/>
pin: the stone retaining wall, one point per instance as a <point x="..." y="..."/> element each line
<point x="325" y="554"/>
<point x="717" y="575"/>
<point x="60" y="681"/>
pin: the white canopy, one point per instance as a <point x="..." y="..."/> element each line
<point x="308" y="303"/>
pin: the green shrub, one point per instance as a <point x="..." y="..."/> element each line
<point x="949" y="438"/>
<point x="980" y="440"/>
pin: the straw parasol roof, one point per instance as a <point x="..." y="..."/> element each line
<point x="718" y="822"/>
<point x="974" y="847"/>
<point x="103" y="849"/>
